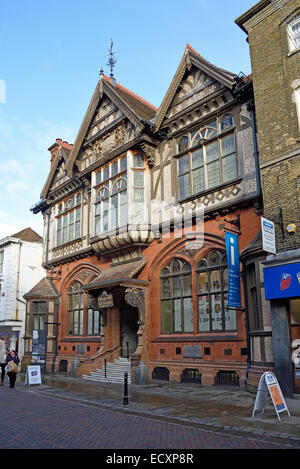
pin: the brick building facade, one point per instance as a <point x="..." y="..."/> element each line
<point x="273" y="29"/>
<point x="135" y="214"/>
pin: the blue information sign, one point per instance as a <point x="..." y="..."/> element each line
<point x="233" y="260"/>
<point x="282" y="281"/>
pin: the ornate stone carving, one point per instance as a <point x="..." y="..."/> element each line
<point x="110" y="142"/>
<point x="150" y="154"/>
<point x="136" y="297"/>
<point x="84" y="275"/>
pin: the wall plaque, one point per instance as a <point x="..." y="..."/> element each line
<point x="105" y="300"/>
<point x="192" y="351"/>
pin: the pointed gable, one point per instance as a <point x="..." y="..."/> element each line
<point x="111" y="103"/>
<point x="57" y="174"/>
<point x="193" y="74"/>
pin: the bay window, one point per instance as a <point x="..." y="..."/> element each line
<point x="209" y="157"/>
<point x="68" y="220"/>
<point x="111" y="197"/>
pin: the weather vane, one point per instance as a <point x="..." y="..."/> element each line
<point x="111" y="60"/>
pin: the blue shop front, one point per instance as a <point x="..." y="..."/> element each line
<point x="282" y="289"/>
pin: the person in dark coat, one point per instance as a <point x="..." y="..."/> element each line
<point x="12" y="376"/>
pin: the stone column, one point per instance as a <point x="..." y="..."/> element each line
<point x="136" y="297"/>
<point x="282" y="346"/>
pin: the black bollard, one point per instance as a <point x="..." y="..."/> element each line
<point x="125" y="400"/>
<point x="105" y="367"/>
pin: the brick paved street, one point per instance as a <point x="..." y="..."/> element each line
<point x="33" y="421"/>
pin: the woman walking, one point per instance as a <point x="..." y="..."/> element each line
<point x="12" y="361"/>
<point x="2" y="360"/>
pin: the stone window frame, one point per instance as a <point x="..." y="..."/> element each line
<point x="69" y="219"/>
<point x="293" y="46"/>
<point x="209" y="133"/>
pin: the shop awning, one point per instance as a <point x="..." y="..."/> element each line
<point x="122" y="275"/>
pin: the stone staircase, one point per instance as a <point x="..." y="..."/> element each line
<point x="114" y="372"/>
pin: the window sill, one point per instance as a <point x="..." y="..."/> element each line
<point x="210" y="190"/>
<point x="292" y="52"/>
<point x="209" y="337"/>
<point x="69" y="243"/>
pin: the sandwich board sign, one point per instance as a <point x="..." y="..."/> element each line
<point x="33" y="375"/>
<point x="268" y="383"/>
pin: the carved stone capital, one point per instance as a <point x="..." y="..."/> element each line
<point x="136" y="297"/>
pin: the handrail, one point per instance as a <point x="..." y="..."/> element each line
<point x="111" y="353"/>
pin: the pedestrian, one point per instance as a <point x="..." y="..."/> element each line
<point x="12" y="361"/>
<point x="2" y="360"/>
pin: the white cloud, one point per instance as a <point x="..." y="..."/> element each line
<point x="24" y="167"/>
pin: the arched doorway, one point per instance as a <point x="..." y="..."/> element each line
<point x="128" y="328"/>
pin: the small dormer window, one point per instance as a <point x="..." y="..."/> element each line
<point x="294" y="34"/>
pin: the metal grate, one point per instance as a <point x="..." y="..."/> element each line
<point x="191" y="376"/>
<point x="227" y="378"/>
<point x="161" y="373"/>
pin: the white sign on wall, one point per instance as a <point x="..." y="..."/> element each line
<point x="33" y="375"/>
<point x="268" y="235"/>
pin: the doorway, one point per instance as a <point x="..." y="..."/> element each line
<point x="295" y="341"/>
<point x="128" y="328"/>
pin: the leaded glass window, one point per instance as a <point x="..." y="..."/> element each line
<point x="68" y="223"/>
<point x="75" y="309"/>
<point x="176" y="297"/>
<point x="111" y="197"/>
<point x="210" y="158"/>
<point x="212" y="293"/>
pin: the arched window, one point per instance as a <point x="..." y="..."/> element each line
<point x="176" y="297"/>
<point x="75" y="309"/>
<point x="79" y="314"/>
<point x="212" y="292"/>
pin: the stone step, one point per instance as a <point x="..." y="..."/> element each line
<point x="114" y="372"/>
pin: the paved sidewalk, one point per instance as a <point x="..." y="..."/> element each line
<point x="224" y="409"/>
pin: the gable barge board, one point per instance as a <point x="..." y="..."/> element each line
<point x="202" y="102"/>
<point x="189" y="127"/>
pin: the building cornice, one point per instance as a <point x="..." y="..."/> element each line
<point x="258" y="13"/>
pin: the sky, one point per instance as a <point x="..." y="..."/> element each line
<point x="51" y="53"/>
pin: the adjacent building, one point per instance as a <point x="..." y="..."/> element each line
<point x="135" y="216"/>
<point x="20" y="269"/>
<point x="273" y="33"/>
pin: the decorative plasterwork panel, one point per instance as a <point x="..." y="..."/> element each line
<point x="71" y="248"/>
<point x="110" y="142"/>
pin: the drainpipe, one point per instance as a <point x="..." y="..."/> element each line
<point x="251" y="109"/>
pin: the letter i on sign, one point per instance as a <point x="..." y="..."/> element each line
<point x="232" y="251"/>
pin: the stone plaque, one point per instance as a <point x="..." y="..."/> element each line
<point x="192" y="351"/>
